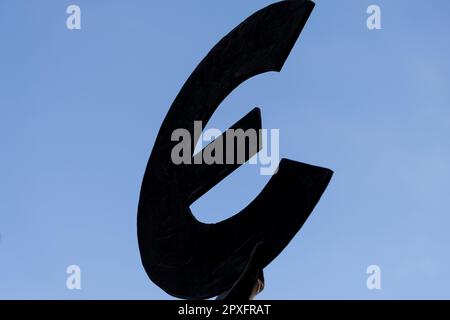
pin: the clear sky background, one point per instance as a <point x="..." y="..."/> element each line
<point x="79" y="112"/>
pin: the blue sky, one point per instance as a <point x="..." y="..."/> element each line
<point x="79" y="112"/>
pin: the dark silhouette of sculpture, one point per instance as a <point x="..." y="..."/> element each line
<point x="192" y="260"/>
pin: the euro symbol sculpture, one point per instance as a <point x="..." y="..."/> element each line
<point x="193" y="260"/>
